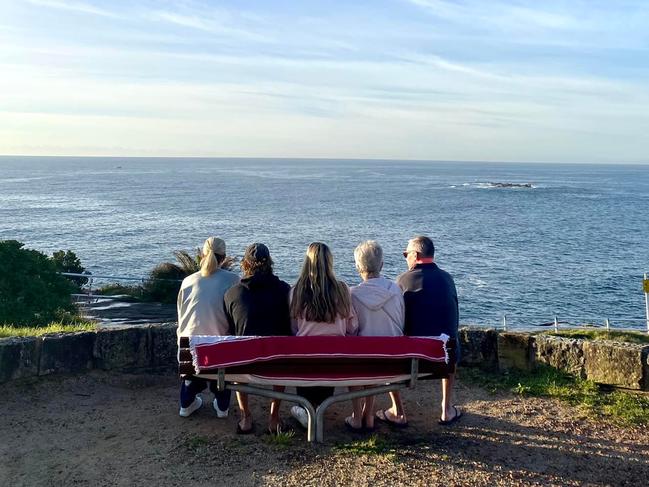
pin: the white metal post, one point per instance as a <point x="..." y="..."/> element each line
<point x="608" y="324"/>
<point x="504" y="322"/>
<point x="556" y="324"/>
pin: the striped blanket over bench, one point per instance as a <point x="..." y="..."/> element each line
<point x="251" y="364"/>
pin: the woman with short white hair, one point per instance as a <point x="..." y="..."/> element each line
<point x="378" y="303"/>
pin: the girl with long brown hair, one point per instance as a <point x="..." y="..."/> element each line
<point x="320" y="305"/>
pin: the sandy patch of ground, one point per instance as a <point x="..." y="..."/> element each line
<point x="123" y="429"/>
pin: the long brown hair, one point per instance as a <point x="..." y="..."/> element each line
<point x="318" y="295"/>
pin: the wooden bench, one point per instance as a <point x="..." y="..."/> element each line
<point x="251" y="364"/>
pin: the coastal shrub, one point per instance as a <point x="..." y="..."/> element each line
<point x="164" y="280"/>
<point x="67" y="261"/>
<point x="31" y="290"/>
<point x="163" y="283"/>
<point x="189" y="264"/>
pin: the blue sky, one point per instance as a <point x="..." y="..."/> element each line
<point x="557" y="81"/>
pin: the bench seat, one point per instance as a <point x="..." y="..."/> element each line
<point x="251" y="364"/>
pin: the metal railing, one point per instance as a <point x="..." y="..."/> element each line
<point x="90" y="277"/>
<point x="569" y="322"/>
<point x="586" y="322"/>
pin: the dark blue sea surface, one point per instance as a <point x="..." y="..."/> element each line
<point x="572" y="241"/>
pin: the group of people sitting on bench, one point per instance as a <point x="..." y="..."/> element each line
<point x="216" y="301"/>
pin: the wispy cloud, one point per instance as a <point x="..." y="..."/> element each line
<point x="417" y="78"/>
<point x="73" y="6"/>
<point x="500" y="13"/>
<point x="211" y="21"/>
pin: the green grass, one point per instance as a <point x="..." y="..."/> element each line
<point x="26" y="331"/>
<point x="281" y="439"/>
<point x="369" y="446"/>
<point x="197" y="442"/>
<point x="620" y="336"/>
<point x="619" y="406"/>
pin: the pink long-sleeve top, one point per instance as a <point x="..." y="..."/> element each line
<point x="341" y="326"/>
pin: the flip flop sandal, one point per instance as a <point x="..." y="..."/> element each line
<point x="381" y="416"/>
<point x="458" y="415"/>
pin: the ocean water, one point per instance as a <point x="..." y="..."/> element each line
<point x="573" y="241"/>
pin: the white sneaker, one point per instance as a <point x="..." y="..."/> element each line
<point x="198" y="402"/>
<point x="219" y="412"/>
<point x="300" y="414"/>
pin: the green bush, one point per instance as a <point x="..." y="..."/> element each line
<point x="69" y="262"/>
<point x="31" y="290"/>
<point x="164" y="280"/>
<point x="163" y="283"/>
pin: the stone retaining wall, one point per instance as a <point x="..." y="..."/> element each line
<point x="140" y="347"/>
<point x="107" y="349"/>
<point x="618" y="364"/>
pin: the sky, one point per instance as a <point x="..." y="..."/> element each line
<point x="550" y="81"/>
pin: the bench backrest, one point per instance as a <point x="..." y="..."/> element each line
<point x="317" y="358"/>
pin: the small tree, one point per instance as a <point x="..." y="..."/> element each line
<point x="69" y="262"/>
<point x="31" y="290"/>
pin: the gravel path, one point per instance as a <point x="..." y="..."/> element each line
<point x="121" y="429"/>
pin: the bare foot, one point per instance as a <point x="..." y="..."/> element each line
<point x="273" y="424"/>
<point x="354" y="422"/>
<point x="245" y="424"/>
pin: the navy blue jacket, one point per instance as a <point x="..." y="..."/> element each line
<point x="431" y="301"/>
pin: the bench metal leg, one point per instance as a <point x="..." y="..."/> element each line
<point x="284" y="396"/>
<point x="347" y="396"/>
<point x="315" y="426"/>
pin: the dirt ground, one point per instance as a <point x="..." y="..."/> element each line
<point x="123" y="429"/>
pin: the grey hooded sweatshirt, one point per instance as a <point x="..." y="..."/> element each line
<point x="378" y="302"/>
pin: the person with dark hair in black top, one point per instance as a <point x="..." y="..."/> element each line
<point x="431" y="303"/>
<point x="258" y="306"/>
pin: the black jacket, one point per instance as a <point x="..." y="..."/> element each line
<point x="258" y="305"/>
<point x="431" y="301"/>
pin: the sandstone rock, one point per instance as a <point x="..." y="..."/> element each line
<point x="516" y="351"/>
<point x="165" y="345"/>
<point x="617" y="364"/>
<point x="18" y="358"/>
<point x="69" y="352"/>
<point x="565" y="354"/>
<point x="122" y="347"/>
<point x="478" y="348"/>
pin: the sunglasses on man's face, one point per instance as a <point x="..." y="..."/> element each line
<point x="406" y="252"/>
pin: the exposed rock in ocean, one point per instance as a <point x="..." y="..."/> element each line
<point x="511" y="185"/>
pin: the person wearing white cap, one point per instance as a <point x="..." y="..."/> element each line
<point x="200" y="312"/>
